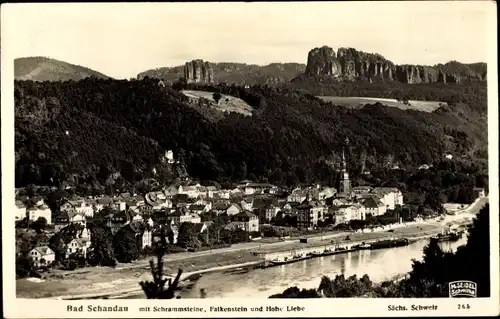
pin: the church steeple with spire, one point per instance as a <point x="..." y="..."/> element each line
<point x="345" y="184"/>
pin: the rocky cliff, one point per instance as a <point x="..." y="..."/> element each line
<point x="348" y="64"/>
<point x="198" y="71"/>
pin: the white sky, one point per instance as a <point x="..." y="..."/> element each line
<point x="121" y="40"/>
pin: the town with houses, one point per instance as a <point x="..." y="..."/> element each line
<point x="249" y="207"/>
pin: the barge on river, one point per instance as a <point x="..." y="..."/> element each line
<point x="453" y="234"/>
<point x="390" y="243"/>
<point x="295" y="256"/>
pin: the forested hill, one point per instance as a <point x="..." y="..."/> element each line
<point x="83" y="132"/>
<point x="46" y="69"/>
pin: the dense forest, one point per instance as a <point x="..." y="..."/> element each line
<point x="100" y="131"/>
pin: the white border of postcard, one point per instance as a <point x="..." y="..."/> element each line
<point x="347" y="307"/>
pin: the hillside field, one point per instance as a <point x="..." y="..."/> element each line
<point x="227" y="103"/>
<point x="358" y="102"/>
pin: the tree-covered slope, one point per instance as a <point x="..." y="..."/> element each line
<point x="94" y="127"/>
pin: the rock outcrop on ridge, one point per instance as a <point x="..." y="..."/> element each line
<point x="198" y="71"/>
<point x="349" y="64"/>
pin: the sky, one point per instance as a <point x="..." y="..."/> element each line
<point x="122" y="40"/>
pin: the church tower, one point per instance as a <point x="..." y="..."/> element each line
<point x="345" y="184"/>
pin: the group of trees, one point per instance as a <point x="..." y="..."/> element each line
<point x="428" y="278"/>
<point x="215" y="235"/>
<point x="38" y="225"/>
<point x="110" y="133"/>
<point x="447" y="181"/>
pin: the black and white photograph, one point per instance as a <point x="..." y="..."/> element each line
<point x="250" y="151"/>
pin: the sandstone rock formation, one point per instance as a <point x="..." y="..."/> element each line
<point x="349" y="64"/>
<point x="198" y="71"/>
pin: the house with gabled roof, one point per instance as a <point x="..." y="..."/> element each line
<point x="246" y="221"/>
<point x="142" y="232"/>
<point x="374" y="206"/>
<point x="173" y="190"/>
<point x="80" y="206"/>
<point x="212" y="191"/>
<point x="297" y="196"/>
<point x="234" y="209"/>
<point x="42" y="256"/>
<point x="65" y="218"/>
<point x="247" y="203"/>
<point x="78" y="244"/>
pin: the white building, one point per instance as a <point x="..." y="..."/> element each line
<point x="346" y="213"/>
<point x="40" y="210"/>
<point x="374" y="206"/>
<point x="297" y="196"/>
<point x="169" y="157"/>
<point x="147" y="239"/>
<point x="192" y="191"/>
<point x="65" y="218"/>
<point x="179" y="218"/>
<point x="390" y="197"/>
<point x="78" y="244"/>
<point x="271" y="211"/>
<point x="20" y="213"/>
<point x="246" y="221"/>
<point x="80" y="206"/>
<point x="234" y="209"/>
<point x="42" y="256"/>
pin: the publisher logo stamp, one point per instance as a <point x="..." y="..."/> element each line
<point x="463" y="288"/>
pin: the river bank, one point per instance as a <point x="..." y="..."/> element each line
<point x="263" y="282"/>
<point x="103" y="282"/>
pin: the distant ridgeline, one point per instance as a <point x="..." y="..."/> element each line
<point x="230" y="73"/>
<point x="103" y="132"/>
<point x="323" y="65"/>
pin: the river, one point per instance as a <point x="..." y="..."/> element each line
<point x="380" y="265"/>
